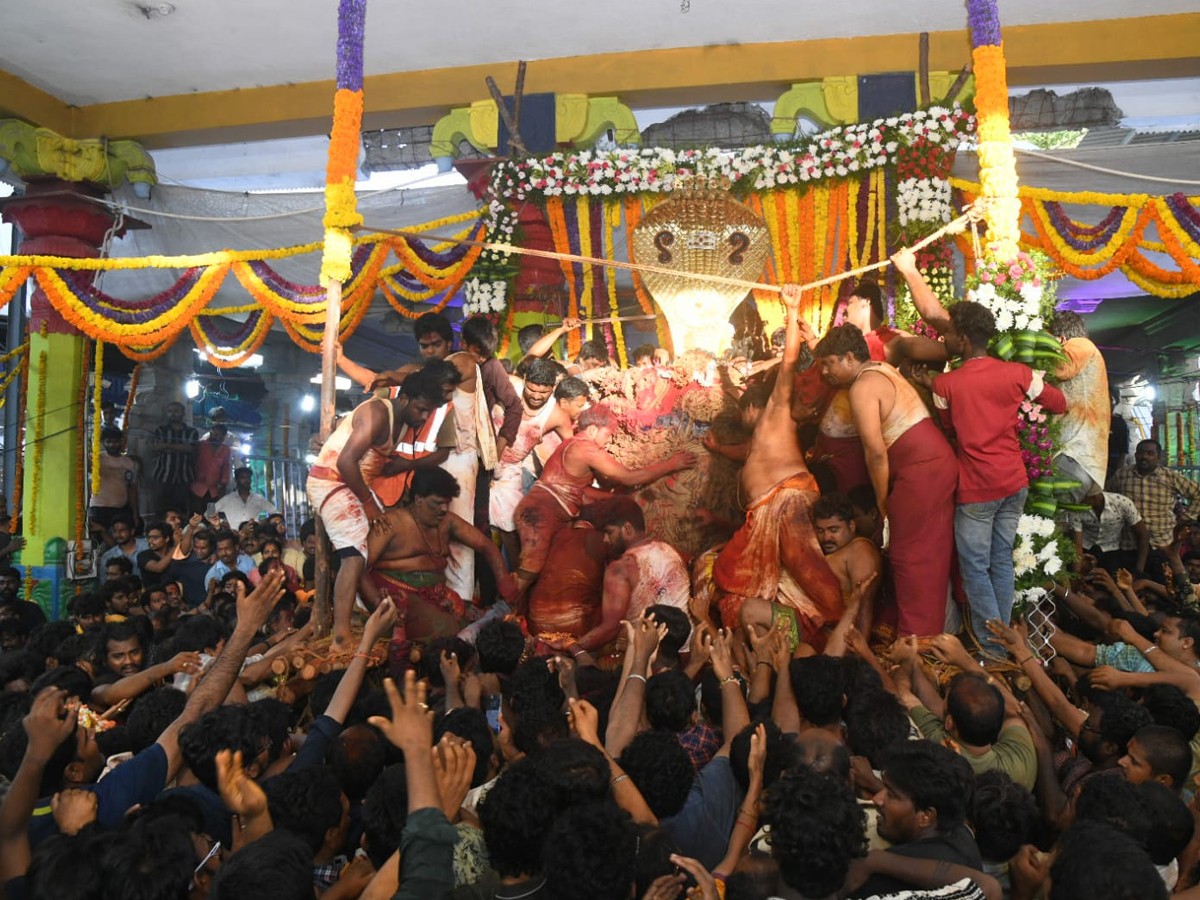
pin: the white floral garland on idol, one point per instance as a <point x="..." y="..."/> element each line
<point x="837" y="153"/>
<point x="1013" y="291"/>
<point x="487" y="292"/>
<point x="1037" y="557"/>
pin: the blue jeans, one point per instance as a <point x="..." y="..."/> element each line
<point x="984" y="535"/>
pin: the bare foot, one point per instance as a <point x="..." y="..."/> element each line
<point x="342" y="642"/>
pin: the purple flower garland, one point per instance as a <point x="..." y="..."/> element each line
<point x="129" y="312"/>
<point x="983" y="19"/>
<point x="1085" y="238"/>
<point x="352" y="20"/>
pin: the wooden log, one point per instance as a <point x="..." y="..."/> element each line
<point x="279" y="665"/>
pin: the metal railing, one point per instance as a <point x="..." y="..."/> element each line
<point x="283" y="481"/>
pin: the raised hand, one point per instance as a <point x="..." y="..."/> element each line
<point x="411" y="724"/>
<point x="1106" y="678"/>
<point x="454" y="765"/>
<point x="380" y="624"/>
<point x="240" y="793"/>
<point x="1125" y="579"/>
<point x="721" y="652"/>
<point x="949" y="649"/>
<point x="790" y="295"/>
<point x="48" y="723"/>
<point x="585" y="721"/>
<point x="1007" y="636"/>
<point x="74" y="809"/>
<point x="186" y="662"/>
<point x="451" y="670"/>
<point x="905" y="261"/>
<point x="254" y="608"/>
<point x="564" y="667"/>
<point x="757" y="760"/>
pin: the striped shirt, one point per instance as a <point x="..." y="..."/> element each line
<point x="175" y="466"/>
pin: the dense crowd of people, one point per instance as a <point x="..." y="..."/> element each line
<point x="834" y="699"/>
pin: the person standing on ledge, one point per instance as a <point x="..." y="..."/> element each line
<point x="339" y="488"/>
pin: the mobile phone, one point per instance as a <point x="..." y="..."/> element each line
<point x="211" y="510"/>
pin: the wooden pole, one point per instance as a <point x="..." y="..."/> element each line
<point x="925" y="98"/>
<point x="322" y="608"/>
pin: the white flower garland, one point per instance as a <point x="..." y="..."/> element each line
<point x="924" y="200"/>
<point x="837" y="153"/>
<point x="486" y="292"/>
<point x="1035" y="549"/>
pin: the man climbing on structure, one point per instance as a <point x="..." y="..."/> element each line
<point x="339" y="483"/>
<point x="775" y="555"/>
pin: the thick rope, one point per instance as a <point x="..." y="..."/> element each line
<point x="973" y="213"/>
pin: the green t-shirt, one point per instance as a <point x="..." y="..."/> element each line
<point x="1013" y="753"/>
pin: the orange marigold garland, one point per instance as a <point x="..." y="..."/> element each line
<point x="97" y="414"/>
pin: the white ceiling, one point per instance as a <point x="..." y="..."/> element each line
<point x="94" y="51"/>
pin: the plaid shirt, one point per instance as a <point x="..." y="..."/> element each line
<point x="701" y="743"/>
<point x="1155" y="496"/>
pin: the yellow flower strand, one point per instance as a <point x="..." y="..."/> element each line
<point x="610" y="281"/>
<point x="16" y="351"/>
<point x="97" y="414"/>
<point x="583" y="215"/>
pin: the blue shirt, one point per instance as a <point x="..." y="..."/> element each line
<point x="219" y="570"/>
<point x="115" y="551"/>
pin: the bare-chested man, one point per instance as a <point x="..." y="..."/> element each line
<point x="339" y="482"/>
<point x="407" y="559"/>
<point x="548" y="407"/>
<point x="775" y="555"/>
<point x="855" y="560"/>
<point x="555" y="500"/>
<point x="642" y="572"/>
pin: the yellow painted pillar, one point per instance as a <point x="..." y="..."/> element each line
<point x="52" y="445"/>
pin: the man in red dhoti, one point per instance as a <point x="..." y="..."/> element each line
<point x="407" y="560"/>
<point x="774" y="560"/>
<point x="556" y="498"/>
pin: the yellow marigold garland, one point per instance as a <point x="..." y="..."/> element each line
<point x="390" y="287"/>
<point x="612" y="220"/>
<point x="97" y="414"/>
<point x="556" y="217"/>
<point x="231" y="357"/>
<point x="997" y="166"/>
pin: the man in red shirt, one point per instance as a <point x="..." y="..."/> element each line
<point x="979" y="402"/>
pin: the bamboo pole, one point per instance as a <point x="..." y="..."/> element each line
<point x="333" y="317"/>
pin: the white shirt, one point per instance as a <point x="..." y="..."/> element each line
<point x="238" y="511"/>
<point x="1105" y="532"/>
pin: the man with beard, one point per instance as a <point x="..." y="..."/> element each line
<point x="123" y="674"/>
<point x="855" y="560"/>
<point x="540" y="416"/>
<point x="642" y="572"/>
<point x="339" y="483"/>
<point x="408" y="556"/>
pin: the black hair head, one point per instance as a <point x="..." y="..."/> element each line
<point x="1003" y="815"/>
<point x="843" y="340"/>
<point x="657" y="763"/>
<point x="1098" y="862"/>
<point x="591" y="853"/>
<point x="670" y="701"/>
<point x="277" y="866"/>
<point x="934" y="778"/>
<point x="819" y="686"/>
<point x="817" y="829"/>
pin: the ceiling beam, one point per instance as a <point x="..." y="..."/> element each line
<point x="1101" y="50"/>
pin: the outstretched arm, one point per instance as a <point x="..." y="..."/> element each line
<point x="792" y="342"/>
<point x="360" y="375"/>
<point x="924" y="299"/>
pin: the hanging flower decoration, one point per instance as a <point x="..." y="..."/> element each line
<point x="1013" y="291"/>
<point x="97" y="412"/>
<point x="1040" y="551"/>
<point x="81" y="467"/>
<point x="487" y="290"/>
<point x="341" y="204"/>
<point x="997" y="165"/>
<point x="838" y="153"/>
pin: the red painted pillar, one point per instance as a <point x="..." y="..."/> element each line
<point x="57" y="218"/>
